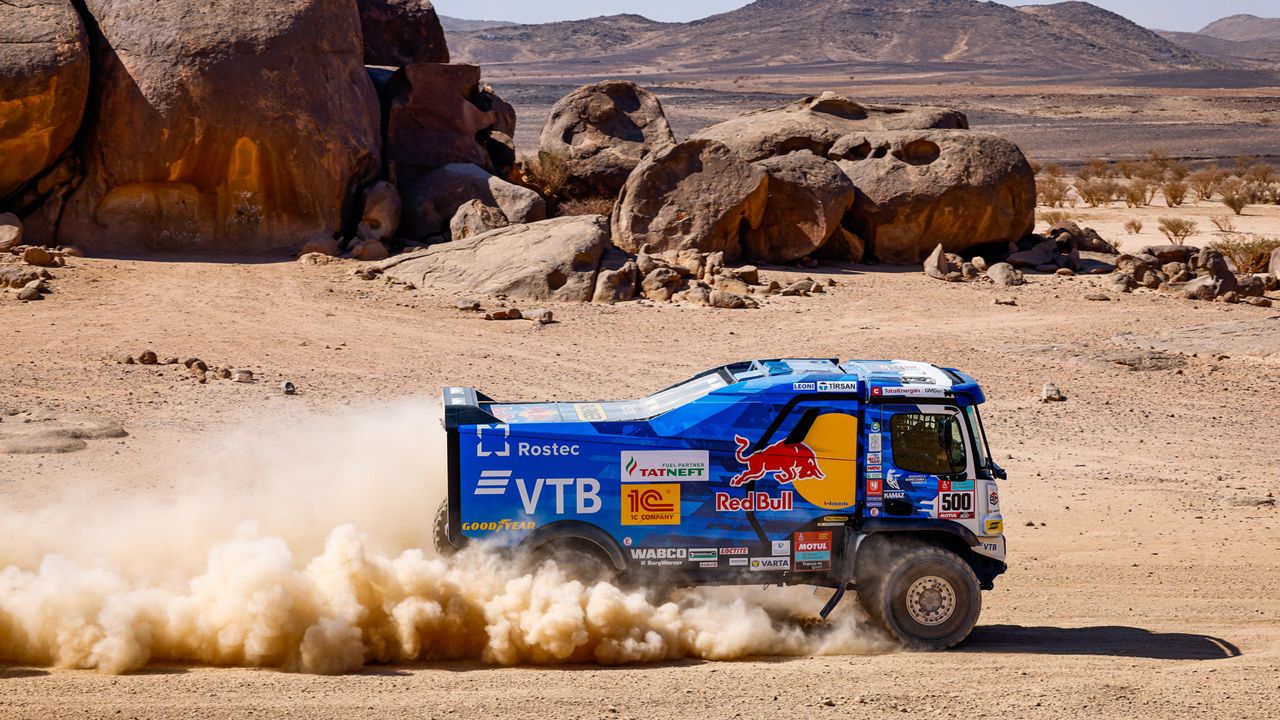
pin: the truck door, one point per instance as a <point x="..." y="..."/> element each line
<point x="928" y="470"/>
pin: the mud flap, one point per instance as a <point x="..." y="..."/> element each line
<point x="848" y="571"/>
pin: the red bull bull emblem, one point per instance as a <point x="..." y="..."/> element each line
<point x="788" y="462"/>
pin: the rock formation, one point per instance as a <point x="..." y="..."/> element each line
<point x="431" y="203"/>
<point x="808" y="197"/>
<point x="401" y="32"/>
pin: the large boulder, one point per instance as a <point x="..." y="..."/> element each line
<point x="439" y="115"/>
<point x="818" y="124"/>
<point x="697" y="195"/>
<point x="401" y="32"/>
<point x="228" y="127"/>
<point x="918" y="189"/>
<point x="550" y="260"/>
<point x="807" y="198"/>
<point x="1274" y="268"/>
<point x="44" y="82"/>
<point x="604" y="131"/>
<point x="431" y="203"/>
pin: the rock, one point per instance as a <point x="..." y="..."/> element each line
<point x="433" y="201"/>
<point x="369" y="251"/>
<point x="969" y="271"/>
<point x="502" y="315"/>
<point x="1216" y="278"/>
<point x="1259" y="302"/>
<point x="38" y="256"/>
<point x="1273" y="268"/>
<point x="827" y="125"/>
<point x="514" y="314"/>
<point x="322" y="245"/>
<point x="800" y="288"/>
<point x="148" y="357"/>
<point x="617" y="284"/>
<point x="1166" y="254"/>
<point x="1176" y="272"/>
<point x="401" y="32"/>
<point x="467" y="305"/>
<point x="27" y="294"/>
<point x="236" y="127"/>
<point x="661" y="284"/>
<point x="1088" y="240"/>
<point x="696" y="195"/>
<point x="1011" y="302"/>
<point x="201" y="376"/>
<point x="748" y="274"/>
<point x="1250" y="286"/>
<point x="381" y="211"/>
<point x="980" y="264"/>
<point x="1122" y="283"/>
<point x="689" y="263"/>
<point x="1051" y="393"/>
<point x="1005" y="275"/>
<point x="1040" y="255"/>
<point x="698" y="293"/>
<point x="1138" y="267"/>
<point x="17" y="277"/>
<point x="730" y="301"/>
<point x="959" y="189"/>
<point x="542" y="316"/>
<point x="41" y="432"/>
<point x="1065" y="272"/>
<point x="603" y="131"/>
<point x="808" y="196"/>
<point x="549" y="260"/>
<point x="242" y="376"/>
<point x="940" y="264"/>
<point x="1230" y="297"/>
<point x="435" y="118"/>
<point x="475" y="218"/>
<point x="195" y="364"/>
<point x="10" y="229"/>
<point x="1098" y="297"/>
<point x="288" y="388"/>
<point x="44" y="83"/>
<point x="223" y="373"/>
<point x="732" y="285"/>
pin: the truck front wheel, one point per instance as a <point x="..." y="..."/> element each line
<point x="926" y="597"/>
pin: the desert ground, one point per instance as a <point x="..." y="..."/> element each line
<point x="1141" y="513"/>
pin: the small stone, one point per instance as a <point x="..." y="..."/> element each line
<point x="28" y="293"/>
<point x="798" y="289"/>
<point x="128" y="360"/>
<point x="1098" y="297"/>
<point x="467" y="305"/>
<point x="1051" y="393"/>
<point x="980" y="263"/>
<point x="242" y="376"/>
<point x="170" y="361"/>
<point x="370" y="251"/>
<point x="1231" y="297"/>
<point x="749" y="274"/>
<point x="514" y="314"/>
<point x="1259" y="302"/>
<point x="223" y="373"/>
<point x="542" y="316"/>
<point x="38" y="256"/>
<point x="1066" y="272"/>
<point x="955" y="277"/>
<point x="1005" y="301"/>
<point x="148" y="357"/>
<point x="73" y="251"/>
<point x="202" y="378"/>
<point x="288" y="388"/>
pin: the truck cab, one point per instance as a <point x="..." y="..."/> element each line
<point x="872" y="476"/>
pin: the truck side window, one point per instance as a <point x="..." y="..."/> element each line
<point x="928" y="444"/>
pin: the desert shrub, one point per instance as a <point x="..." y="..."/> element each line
<point x="1177" y="229"/>
<point x="1178" y="171"/>
<point x="1224" y="223"/>
<point x="1053" y="217"/>
<point x="1206" y="181"/>
<point x="1126" y="169"/>
<point x="1243" y="163"/>
<point x="1150" y="171"/>
<point x="1138" y="193"/>
<point x="1096" y="168"/>
<point x="1175" y="192"/>
<point x="1055" y="170"/>
<point x="1036" y="166"/>
<point x="547" y="172"/>
<point x="1097" y="191"/>
<point x="1133" y="227"/>
<point x="1247" y="253"/>
<point x="1051" y="191"/>
<point x="586" y="206"/>
<point x="1235" y="195"/>
<point x="1159" y="158"/>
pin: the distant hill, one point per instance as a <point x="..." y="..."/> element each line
<point x="459" y="25"/>
<point x="1244" y="28"/>
<point x="1054" y="39"/>
<point x="1239" y="39"/>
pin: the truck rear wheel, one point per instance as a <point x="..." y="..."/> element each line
<point x="440" y="537"/>
<point x="926" y="597"/>
<point x="578" y="560"/>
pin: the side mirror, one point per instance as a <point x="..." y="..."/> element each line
<point x="999" y="472"/>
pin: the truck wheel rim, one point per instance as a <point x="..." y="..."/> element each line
<point x="931" y="600"/>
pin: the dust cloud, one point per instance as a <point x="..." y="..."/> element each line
<point x="304" y="544"/>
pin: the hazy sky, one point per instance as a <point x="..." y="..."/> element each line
<point x="1159" y="14"/>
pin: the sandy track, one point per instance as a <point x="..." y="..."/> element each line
<point x="1151" y="589"/>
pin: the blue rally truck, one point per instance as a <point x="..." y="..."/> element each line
<point x="874" y="476"/>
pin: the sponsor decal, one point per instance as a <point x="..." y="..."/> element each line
<point x="892" y="481"/>
<point x="734" y="551"/>
<point x="499" y="526"/>
<point x="989" y="546"/>
<point x="915" y="391"/>
<point x="585" y="492"/>
<point x="781" y="547"/>
<point x="895" y="495"/>
<point x="875" y="487"/>
<point x="804" y="387"/>
<point x="838" y="386"/>
<point x="875" y="475"/>
<point x="737" y="562"/>
<point x="659" y="557"/>
<point x="701" y="554"/>
<point x="492" y="441"/>
<point x="875" y="441"/>
<point x="787" y="462"/>
<point x="813" y="551"/>
<point x="875" y="468"/>
<point x="650" y="504"/>
<point x="874" y="512"/>
<point x="875" y="428"/>
<point x="955" y="505"/>
<point x="994" y="527"/>
<point x="874" y="459"/>
<point x="877" y="392"/>
<point x="666" y="466"/>
<point x="757" y="501"/>
<point x="993" y="499"/>
<point x="524" y="449"/>
<point x="591" y="412"/>
<point x="709" y="564"/>
<point x="770" y="563"/>
<point x="627" y="541"/>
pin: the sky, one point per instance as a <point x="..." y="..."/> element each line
<point x="1186" y="15"/>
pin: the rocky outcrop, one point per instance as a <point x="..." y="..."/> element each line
<point x="808" y="196"/>
<point x="232" y="127"/>
<point x="1274" y="267"/>
<point x="604" y="131"/>
<point x="697" y="195"/>
<point x="920" y="189"/>
<point x="44" y="81"/>
<point x="381" y="216"/>
<point x="819" y="124"/>
<point x="554" y="259"/>
<point x="438" y="115"/>
<point x="401" y="32"/>
<point x="431" y="203"/>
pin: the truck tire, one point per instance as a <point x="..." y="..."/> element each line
<point x="926" y="597"/>
<point x="579" y="560"/>
<point x="444" y="547"/>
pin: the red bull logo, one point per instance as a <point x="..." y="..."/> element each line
<point x="787" y="462"/>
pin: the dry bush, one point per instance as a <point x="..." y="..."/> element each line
<point x="1150" y="171"/>
<point x="1096" y="168"/>
<point x="1138" y="193"/>
<point x="1261" y="173"/>
<point x="1243" y="163"/>
<point x="1247" y="253"/>
<point x="1097" y="191"/>
<point x="1159" y="158"/>
<point x="1036" y="166"/>
<point x="1133" y="227"/>
<point x="1179" y="171"/>
<point x="1224" y="223"/>
<point x="1126" y="169"/>
<point x="1175" y="193"/>
<point x="1053" y="217"/>
<point x="1054" y="170"/>
<point x="1177" y="229"/>
<point x="1206" y="181"/>
<point x="1235" y="195"/>
<point x="547" y="172"/>
<point x="1051" y="191"/>
<point x="586" y="206"/>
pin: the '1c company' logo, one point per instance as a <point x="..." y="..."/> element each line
<point x="651" y="505"/>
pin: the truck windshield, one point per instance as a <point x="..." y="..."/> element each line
<point x="928" y="443"/>
<point x="979" y="436"/>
